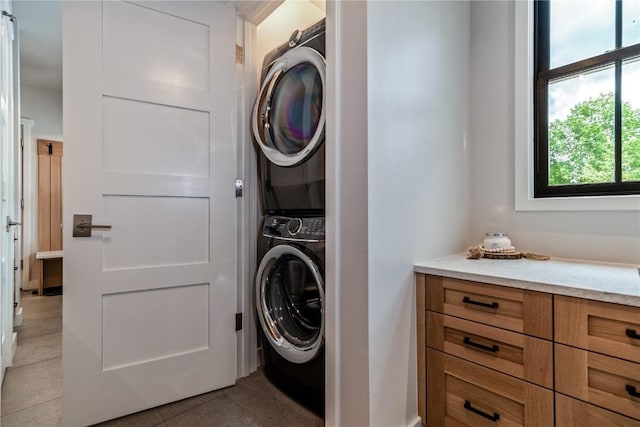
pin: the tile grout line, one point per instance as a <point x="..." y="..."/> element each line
<point x="36" y="337"/>
<point x="180" y="413"/>
<point x="33" y="363"/>
<point x="30" y="407"/>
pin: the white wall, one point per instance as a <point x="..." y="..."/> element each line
<point x="44" y="107"/>
<point x="418" y="80"/>
<point x="612" y="236"/>
<point x="401" y="189"/>
<point x="346" y="274"/>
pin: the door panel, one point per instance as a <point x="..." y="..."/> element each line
<point x="133" y="131"/>
<point x="159" y="334"/>
<point x="150" y="44"/>
<point x="149" y="306"/>
<point x="164" y="231"/>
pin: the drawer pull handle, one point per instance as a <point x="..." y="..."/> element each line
<point x="493" y="349"/>
<point x="631" y="333"/>
<point x="468" y="300"/>
<point x="495" y="417"/>
<point x="632" y="391"/>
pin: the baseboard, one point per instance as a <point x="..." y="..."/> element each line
<point x="417" y="422"/>
<point x="31" y="285"/>
<point x="17" y="319"/>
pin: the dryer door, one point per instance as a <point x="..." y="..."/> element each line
<point x="290" y="303"/>
<point x="289" y="114"/>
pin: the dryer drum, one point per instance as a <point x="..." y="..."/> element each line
<point x="290" y="297"/>
<point x="288" y="117"/>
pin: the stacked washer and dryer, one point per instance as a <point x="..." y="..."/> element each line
<point x="288" y="122"/>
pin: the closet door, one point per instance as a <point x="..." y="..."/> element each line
<point x="49" y="195"/>
<point x="150" y="150"/>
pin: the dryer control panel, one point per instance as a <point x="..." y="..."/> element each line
<point x="294" y="228"/>
<point x="311" y="32"/>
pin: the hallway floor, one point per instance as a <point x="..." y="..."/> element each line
<point x="32" y="388"/>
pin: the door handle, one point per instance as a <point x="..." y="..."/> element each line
<point x="11" y="223"/>
<point x="467" y="300"/>
<point x="82" y="226"/>
<point x="96" y="226"/>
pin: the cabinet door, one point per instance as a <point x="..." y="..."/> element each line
<point x="522" y="356"/>
<point x="572" y="412"/>
<point x="49" y="195"/>
<point x="465" y="394"/>
<point x="518" y="310"/>
<point x="607" y="328"/>
<point x="421" y="346"/>
<point x="604" y="381"/>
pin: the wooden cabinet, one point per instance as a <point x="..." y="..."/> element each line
<point x="611" y="329"/>
<point x="595" y="378"/>
<point x="463" y="393"/>
<point x="49" y="195"/>
<point x="509" y="308"/>
<point x="522" y="356"/>
<point x="49" y="269"/>
<point x="573" y="412"/>
<point x="488" y="354"/>
<point x="494" y="355"/>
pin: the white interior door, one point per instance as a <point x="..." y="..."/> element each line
<point x="149" y="119"/>
<point x="7" y="190"/>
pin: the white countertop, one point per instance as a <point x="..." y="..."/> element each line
<point x="598" y="281"/>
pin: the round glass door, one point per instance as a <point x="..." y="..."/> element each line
<point x="290" y="300"/>
<point x="288" y="117"/>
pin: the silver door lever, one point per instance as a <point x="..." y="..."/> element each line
<point x="82" y="226"/>
<point x="11" y="223"/>
<point x="97" y="226"/>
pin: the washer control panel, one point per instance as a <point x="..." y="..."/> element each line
<point x="294" y="228"/>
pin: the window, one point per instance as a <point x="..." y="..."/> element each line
<point x="587" y="98"/>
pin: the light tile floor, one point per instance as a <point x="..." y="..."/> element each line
<point x="32" y="388"/>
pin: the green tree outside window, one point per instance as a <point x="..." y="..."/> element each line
<point x="581" y="147"/>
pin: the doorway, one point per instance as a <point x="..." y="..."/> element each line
<point x="32" y="384"/>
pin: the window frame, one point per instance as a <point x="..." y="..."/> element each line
<point x="542" y="75"/>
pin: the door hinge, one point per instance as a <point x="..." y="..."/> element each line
<point x="21" y="264"/>
<point x="22" y="203"/>
<point x="239" y="188"/>
<point x="239" y="53"/>
<point x="15" y="268"/>
<point x="238" y="322"/>
<point x="15" y="304"/>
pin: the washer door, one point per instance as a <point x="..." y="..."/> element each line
<point x="289" y="114"/>
<point x="290" y="303"/>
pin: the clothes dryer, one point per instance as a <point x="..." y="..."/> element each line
<point x="288" y="125"/>
<point x="290" y="305"/>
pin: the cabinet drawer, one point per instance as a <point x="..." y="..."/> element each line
<point x="602" y="327"/>
<point x="461" y="393"/>
<point x="572" y="412"/>
<point x="515" y="354"/>
<point x="518" y="310"/>
<point x="604" y="381"/>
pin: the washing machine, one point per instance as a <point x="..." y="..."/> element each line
<point x="290" y="302"/>
<point x="288" y="125"/>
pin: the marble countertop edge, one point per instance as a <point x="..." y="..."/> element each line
<point x="562" y="277"/>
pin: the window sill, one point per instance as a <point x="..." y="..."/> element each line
<point x="588" y="203"/>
